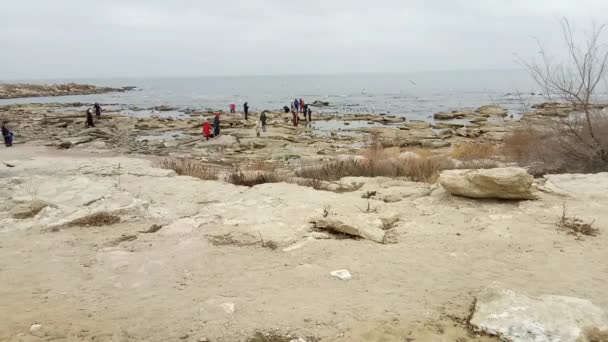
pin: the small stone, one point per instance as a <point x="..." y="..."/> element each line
<point x="184" y="336"/>
<point x="228" y="308"/>
<point x="342" y="274"/>
<point x="203" y="339"/>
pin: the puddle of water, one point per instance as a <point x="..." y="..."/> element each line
<point x="166" y="136"/>
<point x="342" y="128"/>
<point x="146" y="113"/>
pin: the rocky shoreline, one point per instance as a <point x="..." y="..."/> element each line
<point x="326" y="135"/>
<point x="24" y="90"/>
<point x="294" y="258"/>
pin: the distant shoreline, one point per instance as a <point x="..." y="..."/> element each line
<point x="26" y="90"/>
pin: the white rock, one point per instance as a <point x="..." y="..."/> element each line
<point x="299" y="339"/>
<point x="342" y="274"/>
<point x="519" y="318"/>
<point x="228" y="308"/>
<point x="500" y="183"/>
<point x="36" y="330"/>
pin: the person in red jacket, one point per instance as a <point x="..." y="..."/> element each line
<point x="207" y="130"/>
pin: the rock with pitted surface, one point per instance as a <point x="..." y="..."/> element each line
<point x="499" y="183"/>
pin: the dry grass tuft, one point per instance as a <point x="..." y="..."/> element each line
<point x="250" y="179"/>
<point x="96" y="220"/>
<point x="192" y="168"/>
<point x="277" y="337"/>
<point x="30" y="210"/>
<point x="378" y="162"/>
<point x="260" y="165"/>
<point x="474" y="151"/>
<point x="575" y="226"/>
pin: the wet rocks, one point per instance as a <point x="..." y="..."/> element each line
<point x="13" y="91"/>
<point x="519" y="318"/>
<point x="318" y="103"/>
<point x="452" y="115"/>
<point x="500" y="183"/>
<point x="492" y="110"/>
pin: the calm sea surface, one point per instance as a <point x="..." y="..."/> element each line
<point x="412" y="95"/>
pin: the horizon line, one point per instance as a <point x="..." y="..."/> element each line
<point x="359" y="73"/>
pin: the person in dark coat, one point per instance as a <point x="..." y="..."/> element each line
<point x="89" y="122"/>
<point x="263" y="120"/>
<point x="286" y="109"/>
<point x="309" y="112"/>
<point x="7" y="134"/>
<point x="246" y="109"/>
<point x="97" y="108"/>
<point x="216" y="125"/>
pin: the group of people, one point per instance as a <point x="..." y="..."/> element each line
<point x="90" y="122"/>
<point x="216" y="127"/>
<point x="298" y="106"/>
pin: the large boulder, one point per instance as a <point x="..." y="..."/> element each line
<point x="500" y="183"/>
<point x="519" y="318"/>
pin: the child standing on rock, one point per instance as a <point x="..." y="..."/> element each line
<point x="207" y="130"/>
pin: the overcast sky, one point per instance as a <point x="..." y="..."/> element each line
<point x="136" y="38"/>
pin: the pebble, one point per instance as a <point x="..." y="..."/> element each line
<point x="203" y="339"/>
<point x="228" y="308"/>
<point x="342" y="274"/>
<point x="184" y="336"/>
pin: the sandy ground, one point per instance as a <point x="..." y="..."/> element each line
<point x="83" y="284"/>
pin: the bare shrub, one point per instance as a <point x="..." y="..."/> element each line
<point x="369" y="209"/>
<point x="579" y="141"/>
<point x="314" y="183"/>
<point x="473" y="151"/>
<point x="192" y="168"/>
<point x="250" y="179"/>
<point x="575" y="226"/>
<point x="596" y="335"/>
<point x="98" y="219"/>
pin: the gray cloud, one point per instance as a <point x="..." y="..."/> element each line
<point x="130" y="38"/>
